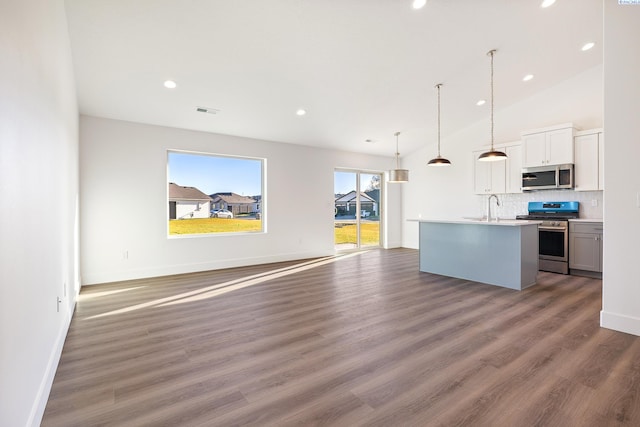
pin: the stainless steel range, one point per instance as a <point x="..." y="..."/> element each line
<point x="553" y="233"/>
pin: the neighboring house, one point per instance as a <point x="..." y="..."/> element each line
<point x="235" y="203"/>
<point x="188" y="202"/>
<point x="346" y="205"/>
<point x="258" y="200"/>
<point x="375" y="195"/>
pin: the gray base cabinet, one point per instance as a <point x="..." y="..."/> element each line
<point x="498" y="253"/>
<point x="585" y="246"/>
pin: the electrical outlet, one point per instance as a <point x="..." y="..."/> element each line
<point x="125" y="255"/>
<point x="594" y="202"/>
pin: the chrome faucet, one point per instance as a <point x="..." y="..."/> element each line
<point x="489" y="206"/>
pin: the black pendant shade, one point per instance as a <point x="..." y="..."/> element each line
<point x="492" y="156"/>
<point x="439" y="161"/>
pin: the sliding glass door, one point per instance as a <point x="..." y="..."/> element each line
<point x="357" y="210"/>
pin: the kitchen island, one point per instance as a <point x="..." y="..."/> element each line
<point x="502" y="253"/>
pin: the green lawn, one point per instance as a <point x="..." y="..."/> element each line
<point x="369" y="233"/>
<point x="213" y="225"/>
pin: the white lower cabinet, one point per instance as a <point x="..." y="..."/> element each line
<point x="585" y="246"/>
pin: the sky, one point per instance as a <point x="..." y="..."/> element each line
<point x="215" y="174"/>
<point x="345" y="182"/>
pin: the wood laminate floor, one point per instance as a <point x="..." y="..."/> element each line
<point x="358" y="340"/>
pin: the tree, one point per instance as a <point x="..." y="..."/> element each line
<point x="374" y="184"/>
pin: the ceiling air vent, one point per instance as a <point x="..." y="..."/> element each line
<point x="207" y="110"/>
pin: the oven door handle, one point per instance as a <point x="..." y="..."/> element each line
<point x="546" y="228"/>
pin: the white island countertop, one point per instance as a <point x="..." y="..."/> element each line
<point x="478" y="221"/>
<point x="598" y="220"/>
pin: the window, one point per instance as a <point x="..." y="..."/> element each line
<point x="210" y="193"/>
<point x="357" y="209"/>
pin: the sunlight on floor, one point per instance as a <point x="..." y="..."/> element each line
<point x="86" y="296"/>
<point x="232" y="285"/>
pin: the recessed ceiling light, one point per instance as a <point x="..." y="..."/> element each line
<point x="588" y="46"/>
<point x="481" y="102"/>
<point x="170" y="84"/>
<point x="301" y="112"/>
<point x="547" y="3"/>
<point x="419" y="4"/>
<point x="527" y="77"/>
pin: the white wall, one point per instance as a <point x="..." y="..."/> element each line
<point x="122" y="161"/>
<point x="621" y="282"/>
<point x="38" y="168"/>
<point x="448" y="191"/>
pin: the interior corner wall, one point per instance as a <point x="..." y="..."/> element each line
<point x="447" y="192"/>
<point x="39" y="277"/>
<point x="123" y="171"/>
<point x="621" y="282"/>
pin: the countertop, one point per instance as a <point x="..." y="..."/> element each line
<point x="598" y="220"/>
<point x="478" y="221"/>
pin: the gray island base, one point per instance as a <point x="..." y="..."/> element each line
<point x="503" y="253"/>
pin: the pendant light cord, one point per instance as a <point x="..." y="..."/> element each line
<point x="438" y="87"/>
<point x="397" y="152"/>
<point x="491" y="52"/>
<point x="492" y="155"/>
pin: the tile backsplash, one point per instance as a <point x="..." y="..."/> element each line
<point x="516" y="204"/>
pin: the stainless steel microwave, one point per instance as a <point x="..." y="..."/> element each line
<point x="552" y="177"/>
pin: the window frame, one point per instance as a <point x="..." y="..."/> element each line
<point x="261" y="204"/>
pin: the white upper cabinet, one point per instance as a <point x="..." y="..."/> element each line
<point x="601" y="161"/>
<point x="552" y="146"/>
<point x="534" y="151"/>
<point x="502" y="176"/>
<point x="489" y="177"/>
<point x="589" y="160"/>
<point x="514" y="168"/>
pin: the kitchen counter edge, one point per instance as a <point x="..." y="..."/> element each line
<point x="504" y="222"/>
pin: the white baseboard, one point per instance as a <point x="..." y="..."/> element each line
<point x="107" y="277"/>
<point x="40" y="402"/>
<point x="393" y="245"/>
<point x="620" y="322"/>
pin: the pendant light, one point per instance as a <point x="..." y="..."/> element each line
<point x="492" y="155"/>
<point x="439" y="161"/>
<point x="397" y="174"/>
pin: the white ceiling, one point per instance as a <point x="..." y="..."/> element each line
<point x="363" y="69"/>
